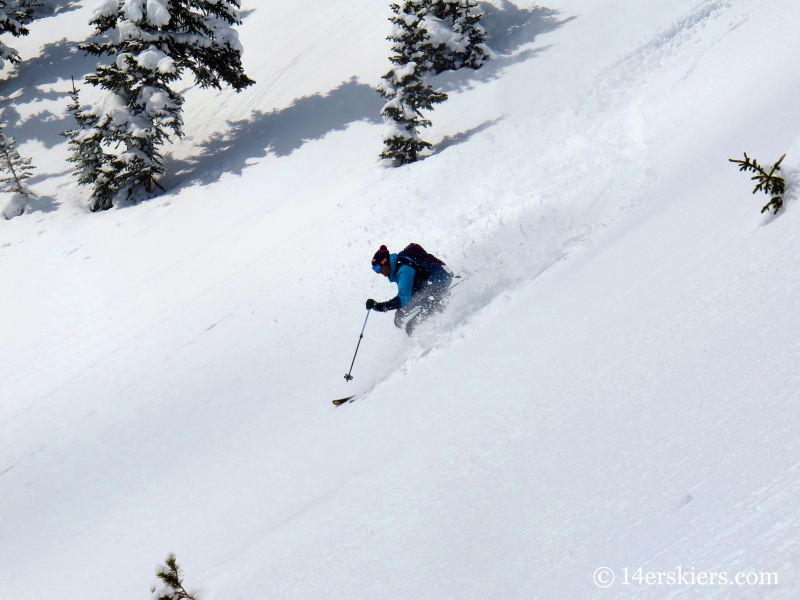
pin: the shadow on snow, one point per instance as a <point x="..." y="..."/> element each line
<point x="508" y="28"/>
<point x="460" y="138"/>
<point x="279" y="132"/>
<point x="57" y="60"/>
<point x="52" y="8"/>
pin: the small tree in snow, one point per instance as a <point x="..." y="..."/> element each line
<point x="170" y="581"/>
<point x="16" y="170"/>
<point x="14" y="16"/>
<point x="767" y="182"/>
<point x="86" y="151"/>
<point x="155" y="41"/>
<point x="404" y="88"/>
<point x="462" y="39"/>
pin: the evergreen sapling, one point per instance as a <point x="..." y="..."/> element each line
<point x="17" y="169"/>
<point x="169" y="585"/>
<point x="404" y="88"/>
<point x="767" y="182"/>
<point x="86" y="152"/>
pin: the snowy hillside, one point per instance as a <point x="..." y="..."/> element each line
<point x="614" y="385"/>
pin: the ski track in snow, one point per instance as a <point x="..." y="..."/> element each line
<point x="610" y="87"/>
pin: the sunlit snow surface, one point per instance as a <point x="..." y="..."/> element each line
<point x="615" y="384"/>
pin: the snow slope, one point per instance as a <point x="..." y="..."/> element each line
<point x="614" y="386"/>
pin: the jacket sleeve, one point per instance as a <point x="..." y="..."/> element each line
<point x="405" y="282"/>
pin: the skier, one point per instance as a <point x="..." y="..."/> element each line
<point x="422" y="283"/>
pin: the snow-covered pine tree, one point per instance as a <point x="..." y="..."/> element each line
<point x="466" y="46"/>
<point x="404" y="88"/>
<point x="86" y="151"/>
<point x="155" y="41"/>
<point x="133" y="119"/>
<point x="16" y="168"/>
<point x="14" y="16"/>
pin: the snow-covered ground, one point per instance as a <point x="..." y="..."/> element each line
<point x="615" y="385"/>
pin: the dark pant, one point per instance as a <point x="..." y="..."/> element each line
<point x="428" y="301"/>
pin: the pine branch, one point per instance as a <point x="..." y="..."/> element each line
<point x="776" y="204"/>
<point x="767" y="182"/>
<point x="171" y="575"/>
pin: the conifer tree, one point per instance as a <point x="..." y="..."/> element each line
<point x="170" y="584"/>
<point x="467" y="46"/>
<point x="85" y="149"/>
<point x="154" y="43"/>
<point x="404" y="88"/>
<point x="14" y="16"/>
<point x="16" y="169"/>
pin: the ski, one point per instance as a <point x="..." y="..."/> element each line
<point x="341" y="401"/>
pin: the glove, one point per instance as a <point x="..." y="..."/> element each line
<point x="376" y="306"/>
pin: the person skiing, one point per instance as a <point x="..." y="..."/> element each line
<point x="422" y="283"/>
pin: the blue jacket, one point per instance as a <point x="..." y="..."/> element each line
<point x="403" y="277"/>
<point x="408" y="284"/>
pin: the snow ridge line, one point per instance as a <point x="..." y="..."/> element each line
<point x="637" y="66"/>
<point x="680" y="31"/>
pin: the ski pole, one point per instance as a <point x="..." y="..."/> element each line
<point x="463" y="279"/>
<point x="349" y="377"/>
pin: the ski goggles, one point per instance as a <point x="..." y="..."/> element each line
<point x="377" y="268"/>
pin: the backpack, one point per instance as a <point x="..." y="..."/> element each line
<point x="423" y="263"/>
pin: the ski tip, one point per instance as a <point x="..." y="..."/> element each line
<point x="341" y="401"/>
